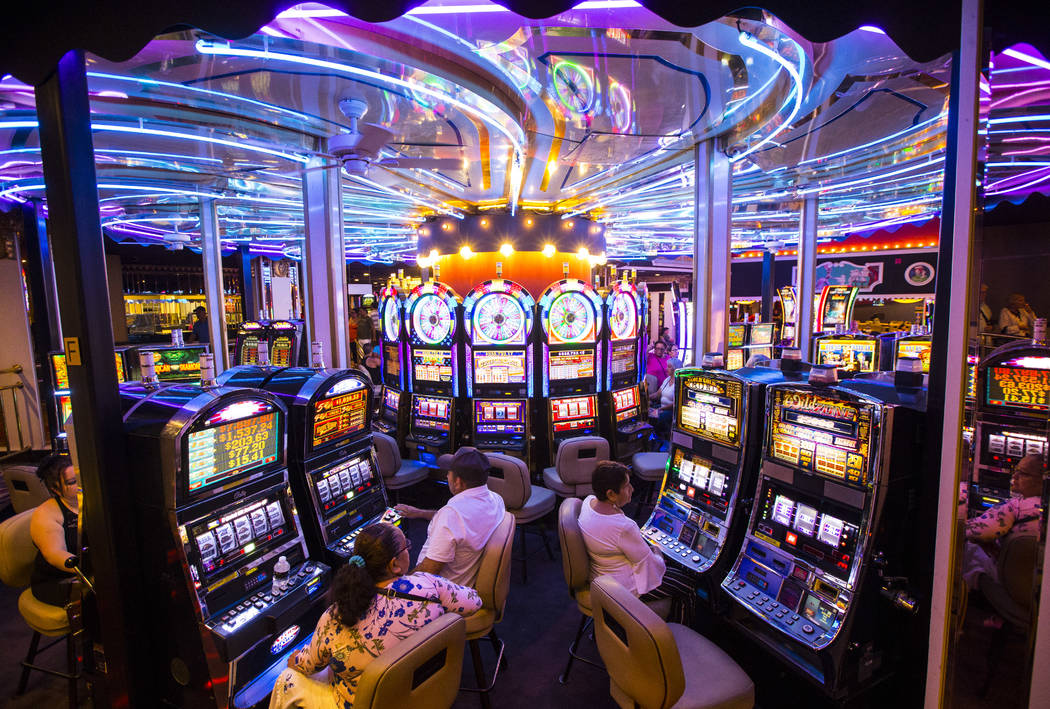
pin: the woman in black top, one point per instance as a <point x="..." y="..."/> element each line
<point x="54" y="531"/>
<point x="373" y="364"/>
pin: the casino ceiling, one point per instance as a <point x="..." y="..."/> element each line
<point x="454" y="108"/>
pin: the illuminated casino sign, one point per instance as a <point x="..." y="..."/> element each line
<point x="820" y="434"/>
<point x="177" y="364"/>
<point x="339" y="416"/>
<point x="1020" y="383"/>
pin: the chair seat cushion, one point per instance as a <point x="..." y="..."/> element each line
<point x="649" y="466"/>
<point x="712" y="679"/>
<point x="479" y="624"/>
<point x="540" y="502"/>
<point x="42" y="617"/>
<point x="554" y="482"/>
<point x="410" y="473"/>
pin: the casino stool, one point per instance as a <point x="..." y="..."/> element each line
<point x="573" y="465"/>
<point x="527" y="502"/>
<point x="649" y="468"/>
<point x="644" y="657"/>
<point x="1010" y="597"/>
<point x="422" y="671"/>
<point x="397" y="473"/>
<point x="493" y="585"/>
<point x="24" y="487"/>
<point x="17" y="555"/>
<point x="576" y="565"/>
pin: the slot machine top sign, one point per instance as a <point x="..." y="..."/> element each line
<point x="432" y="314"/>
<point x="1021" y="383"/>
<point x="498" y="312"/>
<point x="571" y="313"/>
<point x="341" y="413"/>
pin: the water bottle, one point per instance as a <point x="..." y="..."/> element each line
<point x="280" y="576"/>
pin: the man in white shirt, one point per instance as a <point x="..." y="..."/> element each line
<point x="459" y="531"/>
<point x="1017" y="317"/>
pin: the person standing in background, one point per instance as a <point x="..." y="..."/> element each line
<point x="200" y="326"/>
<point x="1017" y="317"/>
<point x="986" y="319"/>
<point x="365" y="328"/>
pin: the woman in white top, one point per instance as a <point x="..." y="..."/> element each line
<point x="665" y="397"/>
<point x="617" y="548"/>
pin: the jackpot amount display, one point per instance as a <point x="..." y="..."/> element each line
<point x="499" y="320"/>
<point x="571" y="364"/>
<point x="221" y="452"/>
<point x="571" y="319"/>
<point x="710" y="408"/>
<point x="1019" y="388"/>
<point x="822" y="435"/>
<point x="339" y="416"/>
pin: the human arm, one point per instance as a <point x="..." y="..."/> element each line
<point x="49" y="535"/>
<point x="414" y="512"/>
<point x="455" y="598"/>
<point x="993" y="524"/>
<point x="634" y="547"/>
<point x="429" y="566"/>
<point x="440" y="547"/>
<point x="1009" y="324"/>
<point x="313" y="657"/>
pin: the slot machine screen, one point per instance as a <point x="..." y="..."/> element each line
<point x="61" y="373"/>
<point x="622" y="358"/>
<point x="572" y="413"/>
<point x="432" y="412"/>
<point x="1022" y="383"/>
<point x="242" y="436"/>
<point x="816" y="529"/>
<point x="499" y="416"/>
<point x="571" y="364"/>
<point x="852" y="355"/>
<point x="1006" y="446"/>
<point x="250" y="350"/>
<point x="177" y="365"/>
<point x="830" y="437"/>
<point x="235" y="537"/>
<point x="626" y="404"/>
<point x="500" y="367"/>
<point x="736" y="335"/>
<point x="392" y="399"/>
<point x="734" y="359"/>
<point x="281" y="351"/>
<point x="764" y="351"/>
<point x="339" y="414"/>
<point x="392" y="359"/>
<point x="710" y="407"/>
<point x="339" y="485"/>
<point x="700" y="482"/>
<point x="762" y="334"/>
<point x="432" y="365"/>
<point x="920" y="349"/>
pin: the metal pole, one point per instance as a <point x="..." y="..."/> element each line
<point x="701" y="249"/>
<point x="40" y="281"/>
<point x="947" y="385"/>
<point x="247" y="287"/>
<point x="712" y="197"/>
<point x="806" y="276"/>
<point x="769" y="288"/>
<point x="108" y="510"/>
<point x="324" y="262"/>
<point x="214" y="291"/>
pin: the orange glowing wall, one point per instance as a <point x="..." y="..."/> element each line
<point x="530" y="269"/>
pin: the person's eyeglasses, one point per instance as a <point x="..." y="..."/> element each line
<point x="407" y="547"/>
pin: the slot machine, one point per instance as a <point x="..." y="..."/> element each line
<point x="434" y="351"/>
<point x="246" y="346"/>
<point x="498" y="319"/>
<point x="1012" y="417"/>
<point x="178" y="363"/>
<point x="788" y="316"/>
<point x="835" y="307"/>
<point x="63" y="405"/>
<point x="822" y="578"/>
<point x="760" y="340"/>
<point x="571" y="321"/>
<point x="214" y="516"/>
<point x="735" y="341"/>
<point x="286" y="338"/>
<point x="917" y="346"/>
<point x="393" y="410"/>
<point x="332" y="468"/>
<point x="850" y="352"/>
<point x="624" y="403"/>
<point x="716" y="444"/>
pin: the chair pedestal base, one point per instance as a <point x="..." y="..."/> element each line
<point x="484" y="687"/>
<point x="585" y="622"/>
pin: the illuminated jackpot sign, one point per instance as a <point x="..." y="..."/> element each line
<point x="222" y="452"/>
<point x="176" y="365"/>
<point x="339" y="416"/>
<point x="710" y="408"/>
<point x="820" y="434"/>
<point x="1020" y="383"/>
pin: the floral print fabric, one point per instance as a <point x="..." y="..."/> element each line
<point x="1016" y="516"/>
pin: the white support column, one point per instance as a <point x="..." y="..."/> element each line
<point x="214" y="292"/>
<point x="324" y="263"/>
<point x="806" y="276"/>
<point x="959" y="200"/>
<point x="712" y="198"/>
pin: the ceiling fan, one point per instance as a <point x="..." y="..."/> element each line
<point x="360" y="147"/>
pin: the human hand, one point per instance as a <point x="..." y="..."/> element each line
<point x="408" y="511"/>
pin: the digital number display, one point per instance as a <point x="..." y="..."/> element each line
<point x="177" y="365"/>
<point x="815" y="529"/>
<point x="736" y="335"/>
<point x="341" y="483"/>
<point x="234" y="537"/>
<point x="339" y="416"/>
<point x="1018" y="387"/>
<point x="224" y="451"/>
<point x="920" y="349"/>
<point x="432" y="412"/>
<point x="622" y="358"/>
<point x="762" y="334"/>
<point x="392" y="359"/>
<point x="572" y="413"/>
<point x="571" y="364"/>
<point x="506" y="367"/>
<point x="851" y="355"/>
<point x="700" y="482"/>
<point x="710" y="407"/>
<point x="432" y="365"/>
<point x="819" y="434"/>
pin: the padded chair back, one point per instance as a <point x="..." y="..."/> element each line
<point x="24" y="487"/>
<point x="421" y="671"/>
<point x="577" y="458"/>
<point x="651" y="385"/>
<point x="513" y="485"/>
<point x="1017" y="561"/>
<point x="387" y="454"/>
<point x="493" y="582"/>
<point x="636" y="646"/>
<point x="17" y="551"/>
<point x="575" y="563"/>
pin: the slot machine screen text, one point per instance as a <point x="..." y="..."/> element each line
<point x="221" y="452"/>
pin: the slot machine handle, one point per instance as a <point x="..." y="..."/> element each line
<point x="73" y="564"/>
<point x="899" y="597"/>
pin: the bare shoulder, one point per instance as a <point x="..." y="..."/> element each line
<point x="47" y="511"/>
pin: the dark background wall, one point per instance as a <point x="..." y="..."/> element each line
<point x="1016" y="259"/>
